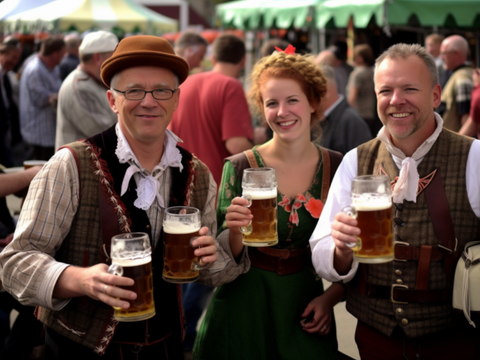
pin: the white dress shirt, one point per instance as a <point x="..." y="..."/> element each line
<point x="321" y="241"/>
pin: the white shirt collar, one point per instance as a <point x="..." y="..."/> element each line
<point x="406" y="186"/>
<point x="330" y="109"/>
<point x="148" y="185"/>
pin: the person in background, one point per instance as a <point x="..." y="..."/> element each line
<point x="472" y="125"/>
<point x="342" y="129"/>
<point x="213" y="105"/>
<point x="432" y="44"/>
<point x="192" y="47"/>
<point x="10" y="51"/>
<point x="404" y="307"/>
<point x="456" y="95"/>
<point x="18" y="339"/>
<point x="360" y="88"/>
<point x="278" y="310"/>
<point x="129" y="173"/>
<point x="342" y="68"/>
<point x="71" y="59"/>
<point x="39" y="86"/>
<point x="83" y="108"/>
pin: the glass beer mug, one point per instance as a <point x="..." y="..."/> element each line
<point x="259" y="187"/>
<point x="180" y="227"/>
<point x="132" y="257"/>
<point x="372" y="207"/>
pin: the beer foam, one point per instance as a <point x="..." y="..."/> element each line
<point x="129" y="260"/>
<point x="175" y="227"/>
<point x="260" y="194"/>
<point x="371" y="202"/>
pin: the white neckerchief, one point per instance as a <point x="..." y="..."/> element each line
<point x="406" y="186"/>
<point x="148" y="186"/>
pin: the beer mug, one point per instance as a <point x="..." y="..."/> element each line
<point x="132" y="257"/>
<point x="180" y="227"/>
<point x="259" y="187"/>
<point x="372" y="207"/>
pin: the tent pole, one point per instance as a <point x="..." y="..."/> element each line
<point x="322" y="39"/>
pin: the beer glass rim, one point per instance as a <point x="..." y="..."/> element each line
<point x="129" y="236"/>
<point x="169" y="211"/>
<point x="371" y="177"/>
<point x="260" y="169"/>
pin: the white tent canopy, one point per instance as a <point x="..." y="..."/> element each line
<point x="82" y="15"/>
<point x="12" y="7"/>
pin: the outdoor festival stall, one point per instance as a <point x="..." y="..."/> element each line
<point x="125" y="16"/>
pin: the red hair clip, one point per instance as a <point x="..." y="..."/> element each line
<point x="290" y="50"/>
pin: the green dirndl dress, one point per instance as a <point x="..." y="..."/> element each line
<point x="257" y="316"/>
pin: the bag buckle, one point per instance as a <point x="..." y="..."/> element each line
<point x="403" y="243"/>
<point x="391" y="293"/>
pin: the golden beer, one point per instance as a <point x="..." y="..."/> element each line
<point x="143" y="307"/>
<point x="374" y="219"/>
<point x="180" y="265"/>
<point x="263" y="229"/>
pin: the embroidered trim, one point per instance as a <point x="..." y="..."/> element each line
<point x="107" y="337"/>
<point x="78" y="333"/>
<point x="105" y="179"/>
<point x="422" y="183"/>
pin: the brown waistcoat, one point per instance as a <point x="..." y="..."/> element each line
<point x="449" y="154"/>
<point x="84" y="320"/>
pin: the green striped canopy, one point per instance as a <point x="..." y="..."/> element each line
<point x="465" y="13"/>
<point x="248" y="14"/>
<point x="253" y="14"/>
<point x="82" y="15"/>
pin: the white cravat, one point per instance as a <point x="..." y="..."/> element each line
<point x="407" y="184"/>
<point x="148" y="185"/>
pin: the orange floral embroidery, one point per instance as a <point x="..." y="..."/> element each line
<point x="314" y="207"/>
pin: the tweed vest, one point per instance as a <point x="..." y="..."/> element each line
<point x="452" y="120"/>
<point x="89" y="322"/>
<point x="413" y="225"/>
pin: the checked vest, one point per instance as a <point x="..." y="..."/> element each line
<point x="413" y="226"/>
<point x="89" y="322"/>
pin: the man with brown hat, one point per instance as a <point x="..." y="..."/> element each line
<point x="118" y="181"/>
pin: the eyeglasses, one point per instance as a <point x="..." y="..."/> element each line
<point x="138" y="94"/>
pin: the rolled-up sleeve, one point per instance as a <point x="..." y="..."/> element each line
<point x="321" y="241"/>
<point x="226" y="268"/>
<point x="28" y="268"/>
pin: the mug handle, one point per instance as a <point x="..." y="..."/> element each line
<point x="196" y="264"/>
<point x="352" y="212"/>
<point x="247" y="230"/>
<point x="115" y="269"/>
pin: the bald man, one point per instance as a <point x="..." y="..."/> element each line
<point x="456" y="94"/>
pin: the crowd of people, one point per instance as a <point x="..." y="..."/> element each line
<point x="132" y="127"/>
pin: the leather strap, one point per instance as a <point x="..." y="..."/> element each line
<point x="442" y="224"/>
<point x="251" y="158"/>
<point x="408" y="252"/>
<point x="423" y="269"/>
<point x="281" y="266"/>
<point x="282" y="253"/>
<point x="331" y="161"/>
<point x="401" y="294"/>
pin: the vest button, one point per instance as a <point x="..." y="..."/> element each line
<point x="404" y="322"/>
<point x="399" y="281"/>
<point x="398" y="272"/>
<point x="148" y="227"/>
<point x="399" y="311"/>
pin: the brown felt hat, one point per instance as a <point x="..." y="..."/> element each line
<point x="144" y="50"/>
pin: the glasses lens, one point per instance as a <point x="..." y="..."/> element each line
<point x="134" y="94"/>
<point x="162" y="94"/>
